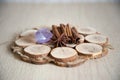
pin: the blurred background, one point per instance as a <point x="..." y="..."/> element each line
<point x="19" y="15"/>
<point x="57" y="1"/>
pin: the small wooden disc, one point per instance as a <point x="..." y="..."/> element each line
<point x="96" y="38"/>
<point x="25" y="41"/>
<point x="30" y="33"/>
<point x="87" y="30"/>
<point x="64" y="54"/>
<point x="89" y="49"/>
<point x="37" y="50"/>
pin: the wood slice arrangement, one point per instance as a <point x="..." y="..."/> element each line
<point x="68" y="46"/>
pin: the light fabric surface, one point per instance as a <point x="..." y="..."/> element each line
<point x="15" y="18"/>
<point x="57" y="1"/>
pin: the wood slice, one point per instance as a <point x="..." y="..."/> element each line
<point x="26" y="38"/>
<point x="25" y="41"/>
<point x="97" y="38"/>
<point x="64" y="54"/>
<point x="37" y="50"/>
<point x="89" y="49"/>
<point x="30" y="33"/>
<point x="87" y="30"/>
<point x="104" y="53"/>
<point x="35" y="60"/>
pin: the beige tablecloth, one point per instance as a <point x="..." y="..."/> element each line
<point x="14" y="18"/>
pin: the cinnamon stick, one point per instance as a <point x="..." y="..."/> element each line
<point x="55" y="31"/>
<point x="75" y="29"/>
<point x="69" y="27"/>
<point x="75" y="34"/>
<point x="67" y="30"/>
<point x="59" y="30"/>
<point x="63" y="29"/>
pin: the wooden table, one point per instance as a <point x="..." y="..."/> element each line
<point x="14" y="18"/>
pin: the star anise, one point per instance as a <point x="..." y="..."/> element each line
<point x="63" y="35"/>
<point x="58" y="42"/>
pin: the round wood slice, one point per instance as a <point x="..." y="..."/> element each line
<point x="37" y="50"/>
<point x="25" y="41"/>
<point x="64" y="54"/>
<point x="86" y="30"/>
<point x="89" y="49"/>
<point x="30" y="33"/>
<point x="104" y="53"/>
<point x="97" y="38"/>
<point x="36" y="60"/>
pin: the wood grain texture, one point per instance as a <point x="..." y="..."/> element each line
<point x="15" y="18"/>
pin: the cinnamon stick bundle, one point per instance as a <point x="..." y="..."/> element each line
<point x="64" y="34"/>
